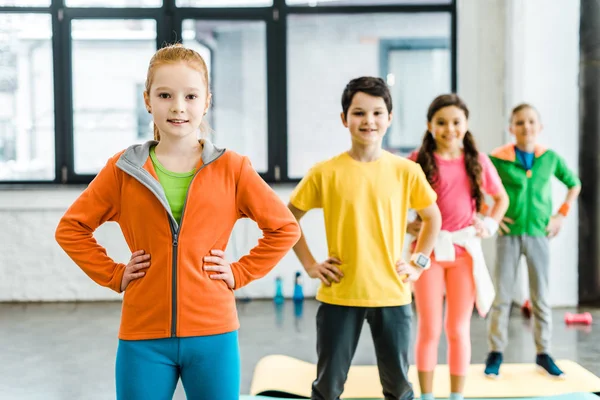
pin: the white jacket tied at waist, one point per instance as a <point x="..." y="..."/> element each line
<point x="467" y="238"/>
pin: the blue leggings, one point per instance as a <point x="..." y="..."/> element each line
<point x="209" y="367"/>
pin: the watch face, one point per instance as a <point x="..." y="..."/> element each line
<point x="422" y="261"/>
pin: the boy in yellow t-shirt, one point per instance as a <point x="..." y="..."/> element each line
<point x="365" y="194"/>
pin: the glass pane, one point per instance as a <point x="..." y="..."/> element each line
<point x="224" y="3"/>
<point x="314" y="3"/>
<point x="26" y="98"/>
<point x="236" y="54"/>
<point x="415" y="76"/>
<point x="113" y="3"/>
<point x="24" y="3"/>
<point x="324" y="53"/>
<point x="108" y="105"/>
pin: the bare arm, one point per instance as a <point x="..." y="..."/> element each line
<point x="430" y="228"/>
<point x="431" y="224"/>
<point x="326" y="271"/>
<point x="301" y="247"/>
<point x="500" y="206"/>
<point x="572" y="195"/>
<point x="557" y="219"/>
<point x="499" y="223"/>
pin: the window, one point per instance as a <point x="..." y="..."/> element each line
<point x="26" y="98"/>
<point x="236" y="54"/>
<point x="324" y="53"/>
<point x="417" y="70"/>
<point x="334" y="3"/>
<point x="72" y="76"/>
<point x="224" y="3"/>
<point x="106" y="95"/>
<point x="25" y="3"/>
<point x="113" y="3"/>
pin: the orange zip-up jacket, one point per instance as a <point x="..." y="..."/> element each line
<point x="176" y="297"/>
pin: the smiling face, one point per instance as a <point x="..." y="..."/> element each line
<point x="367" y="119"/>
<point x="525" y="125"/>
<point x="448" y="126"/>
<point x="177" y="98"/>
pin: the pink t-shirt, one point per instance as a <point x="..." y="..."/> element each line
<point x="454" y="189"/>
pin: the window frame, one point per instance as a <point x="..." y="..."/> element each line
<point x="388" y="45"/>
<point x="169" y="19"/>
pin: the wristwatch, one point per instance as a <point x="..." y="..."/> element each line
<point x="420" y="260"/>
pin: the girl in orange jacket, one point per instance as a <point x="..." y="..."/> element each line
<point x="176" y="199"/>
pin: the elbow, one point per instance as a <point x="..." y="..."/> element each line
<point x="505" y="202"/>
<point x="67" y="230"/>
<point x="432" y="217"/>
<point x="59" y="232"/>
<point x="293" y="225"/>
<point x="285" y="236"/>
<point x="502" y="201"/>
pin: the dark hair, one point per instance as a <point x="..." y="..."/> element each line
<point x="520" y="107"/>
<point x="427" y="161"/>
<point x="367" y="84"/>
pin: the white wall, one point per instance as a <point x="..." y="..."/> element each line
<point x="526" y="51"/>
<point x="481" y="76"/>
<point x="509" y="51"/>
<point x="544" y="62"/>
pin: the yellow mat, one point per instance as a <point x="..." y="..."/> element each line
<point x="292" y="376"/>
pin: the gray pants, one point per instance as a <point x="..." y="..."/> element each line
<point x="338" y="331"/>
<point x="508" y="253"/>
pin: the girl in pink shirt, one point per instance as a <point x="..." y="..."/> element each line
<point x="460" y="175"/>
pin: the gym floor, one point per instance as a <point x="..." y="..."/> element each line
<point x="66" y="351"/>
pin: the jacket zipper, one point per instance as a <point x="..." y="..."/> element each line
<point x="526" y="205"/>
<point x="175" y="237"/>
<point x="174" y="284"/>
<point x="527" y="231"/>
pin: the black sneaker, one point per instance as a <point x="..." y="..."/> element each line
<point x="546" y="364"/>
<point x="492" y="364"/>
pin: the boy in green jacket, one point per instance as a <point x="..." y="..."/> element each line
<point x="526" y="169"/>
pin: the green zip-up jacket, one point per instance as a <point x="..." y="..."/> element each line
<point x="530" y="192"/>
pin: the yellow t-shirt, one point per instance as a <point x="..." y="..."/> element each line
<point x="365" y="205"/>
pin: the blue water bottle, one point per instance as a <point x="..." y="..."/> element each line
<point x="298" y="294"/>
<point x="278" y="291"/>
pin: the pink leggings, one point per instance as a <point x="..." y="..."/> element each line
<point x="457" y="277"/>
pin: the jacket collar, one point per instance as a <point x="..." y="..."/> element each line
<point x="138" y="154"/>
<point x="133" y="160"/>
<point x="508" y="153"/>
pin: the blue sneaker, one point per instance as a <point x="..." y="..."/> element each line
<point x="546" y="364"/>
<point x="492" y="364"/>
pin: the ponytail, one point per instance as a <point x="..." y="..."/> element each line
<point x="426" y="159"/>
<point x="474" y="169"/>
<point x="156" y="133"/>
